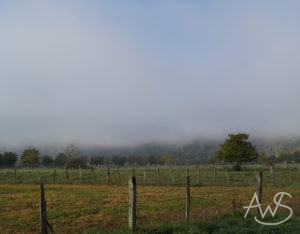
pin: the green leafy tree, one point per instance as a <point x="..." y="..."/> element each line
<point x="71" y="151"/>
<point x="30" y="157"/>
<point x="117" y="160"/>
<point x="75" y="163"/>
<point x="237" y="150"/>
<point x="286" y="157"/>
<point x="8" y="159"/>
<point x="263" y="158"/>
<point x="297" y="156"/>
<point x="168" y="158"/>
<point x="60" y="160"/>
<point x="151" y="159"/>
<point x="134" y="160"/>
<point x="47" y="160"/>
<point x="97" y="160"/>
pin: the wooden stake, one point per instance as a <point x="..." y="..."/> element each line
<point x="15" y="175"/>
<point x="245" y="178"/>
<point x="198" y="177"/>
<point x="215" y="175"/>
<point x="119" y="176"/>
<point x="158" y="176"/>
<point x="188" y="198"/>
<point x="259" y="175"/>
<point x="80" y="173"/>
<point x="54" y="175"/>
<point x="272" y="173"/>
<point x="107" y="175"/>
<point x="144" y="176"/>
<point x="132" y="203"/>
<point x="67" y="175"/>
<point x="38" y="172"/>
<point x="227" y="177"/>
<point x="93" y="174"/>
<point x="171" y="174"/>
<point x="43" y="214"/>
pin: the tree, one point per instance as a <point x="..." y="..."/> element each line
<point x="71" y="151"/>
<point x="75" y="163"/>
<point x="10" y="159"/>
<point x="30" y="157"/>
<point x="60" y="160"/>
<point x="97" y="160"/>
<point x="134" y="160"/>
<point x="118" y="160"/>
<point x="286" y="157"/>
<point x="47" y="160"/>
<point x="151" y="159"/>
<point x="168" y="158"/>
<point x="237" y="150"/>
<point x="297" y="156"/>
<point x="263" y="158"/>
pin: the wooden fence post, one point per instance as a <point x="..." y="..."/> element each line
<point x="67" y="175"/>
<point x="215" y="175"/>
<point x="119" y="176"/>
<point x="54" y="175"/>
<point x="132" y="203"/>
<point x="188" y="198"/>
<point x="227" y="177"/>
<point x="272" y="173"/>
<point x="39" y="175"/>
<point x="259" y="175"/>
<point x="43" y="214"/>
<point x="245" y="178"/>
<point x="158" y="176"/>
<point x="290" y="172"/>
<point x="198" y="177"/>
<point x="107" y="175"/>
<point x="144" y="176"/>
<point x="80" y="173"/>
<point x="93" y="174"/>
<point x="172" y="178"/>
<point x="15" y="175"/>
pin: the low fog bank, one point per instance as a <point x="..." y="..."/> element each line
<point x="201" y="148"/>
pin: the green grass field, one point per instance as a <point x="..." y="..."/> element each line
<point x="94" y="207"/>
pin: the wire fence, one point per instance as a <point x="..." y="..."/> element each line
<point x="167" y="176"/>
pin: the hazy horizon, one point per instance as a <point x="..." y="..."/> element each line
<point x="117" y="73"/>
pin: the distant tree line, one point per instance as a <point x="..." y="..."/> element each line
<point x="282" y="157"/>
<point x="71" y="157"/>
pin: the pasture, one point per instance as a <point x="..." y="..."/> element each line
<point x="92" y="205"/>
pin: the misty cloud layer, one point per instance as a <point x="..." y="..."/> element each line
<point x="130" y="72"/>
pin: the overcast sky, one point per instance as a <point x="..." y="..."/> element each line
<point x="126" y="72"/>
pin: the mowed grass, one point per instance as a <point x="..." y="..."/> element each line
<point x="175" y="176"/>
<point x="79" y="207"/>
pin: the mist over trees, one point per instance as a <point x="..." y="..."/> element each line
<point x="196" y="152"/>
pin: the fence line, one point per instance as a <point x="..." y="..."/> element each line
<point x="152" y="176"/>
<point x="132" y="201"/>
